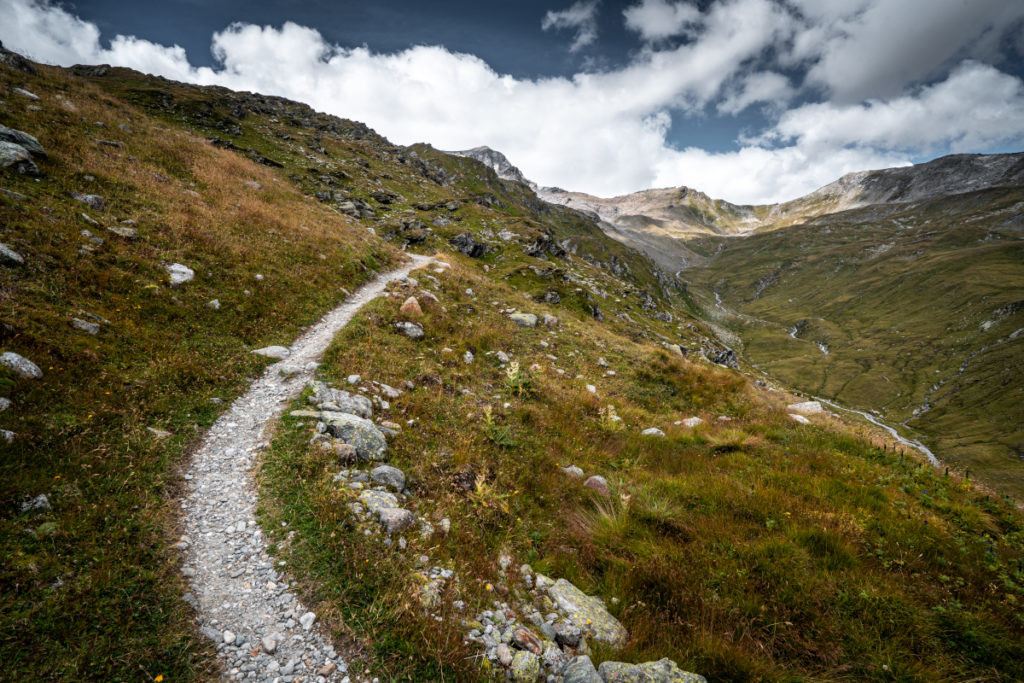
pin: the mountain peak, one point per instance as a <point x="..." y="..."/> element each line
<point x="498" y="162"/>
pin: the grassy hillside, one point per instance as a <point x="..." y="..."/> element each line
<point x="919" y="307"/>
<point x="747" y="547"/>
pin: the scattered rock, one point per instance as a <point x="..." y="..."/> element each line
<point x="18" y="158"/>
<point x="525" y="667"/>
<point x="550" y="320"/>
<point x="573" y="472"/>
<point x="799" y="418"/>
<point x="213" y="304"/>
<point x="525" y="639"/>
<point x="368" y="441"/>
<point x="85" y="326"/>
<point x="27" y="142"/>
<point x="229" y="638"/>
<point x="581" y="670"/>
<point x="468" y="357"/>
<point x="158" y="433"/>
<point x="466" y="244"/>
<point x="588" y="613"/>
<point x="598" y="484"/>
<point x="411" y="307"/>
<point x="386" y="475"/>
<point x="269" y="645"/>
<point x="306" y="620"/>
<point x="40" y="502"/>
<point x="25" y="93"/>
<point x="692" y="422"/>
<point x="277" y="352"/>
<point x="662" y="671"/>
<point x="395" y="520"/>
<point x="179" y="273"/>
<point x="567" y="634"/>
<point x="13" y="195"/>
<point x="92" y="200"/>
<point x="354" y="379"/>
<point x="725" y="357"/>
<point x="806" y="408"/>
<point x="122" y="231"/>
<point x="253" y="185"/>
<point x="7" y="435"/>
<point x="9" y="257"/>
<point x="22" y="366"/>
<point x="340" y="401"/>
<point x="653" y="431"/>
<point x="5" y="403"/>
<point x="524" y="319"/>
<point x="411" y="330"/>
<point x="504" y="654"/>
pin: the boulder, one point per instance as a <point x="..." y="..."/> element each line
<point x="9" y="257"/>
<point x="525" y="639"/>
<point x="581" y="670"/>
<point x="29" y="143"/>
<point x="395" y="520"/>
<point x="94" y="200"/>
<point x="179" y="273"/>
<point x="386" y="475"/>
<point x="276" y="352"/>
<point x="85" y="326"/>
<point x="22" y="366"/>
<point x="469" y="246"/>
<point x="524" y="319"/>
<point x="598" y="484"/>
<point x="588" y="613"/>
<point x="550" y="320"/>
<point x="662" y="671"/>
<point x="806" y="408"/>
<point x="799" y="418"/>
<point x="411" y="330"/>
<point x="653" y="431"/>
<point x="525" y="667"/>
<point x="411" y="306"/>
<point x="573" y="472"/>
<point x="567" y="634"/>
<point x="375" y="501"/>
<point x="18" y="158"/>
<point x="692" y="422"/>
<point x="368" y="441"/>
<point x="123" y="231"/>
<point x="725" y="357"/>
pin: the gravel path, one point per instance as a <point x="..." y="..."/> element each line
<point x="262" y="631"/>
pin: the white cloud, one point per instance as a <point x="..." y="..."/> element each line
<point x="600" y="132"/>
<point x="581" y="17"/>
<point x="657" y="20"/>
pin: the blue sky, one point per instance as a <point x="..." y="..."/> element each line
<point x="748" y="100"/>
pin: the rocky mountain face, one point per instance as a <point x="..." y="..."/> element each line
<point x="498" y="162"/>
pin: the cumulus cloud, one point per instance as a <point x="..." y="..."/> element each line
<point x="580" y="17"/>
<point x="657" y="20"/>
<point x="602" y="132"/>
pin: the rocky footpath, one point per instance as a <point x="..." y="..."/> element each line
<point x="243" y="598"/>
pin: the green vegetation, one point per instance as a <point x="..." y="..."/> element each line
<point x="917" y="306"/>
<point x="747" y="547"/>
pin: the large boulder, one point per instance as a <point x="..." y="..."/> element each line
<point x="24" y="140"/>
<point x="389" y="476"/>
<point x="22" y="366"/>
<point x="662" y="671"/>
<point x="18" y="158"/>
<point x="587" y="612"/>
<point x="469" y="246"/>
<point x="368" y="441"/>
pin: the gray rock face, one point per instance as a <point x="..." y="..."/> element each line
<point x="395" y="520"/>
<point x="581" y="670"/>
<point x="17" y="158"/>
<point x="277" y="352"/>
<point x="387" y="475"/>
<point x="9" y="257"/>
<point x="22" y="139"/>
<point x="179" y="273"/>
<point x="22" y="366"/>
<point x="94" y="200"/>
<point x="341" y="401"/>
<point x="368" y="441"/>
<point x="524" y="319"/>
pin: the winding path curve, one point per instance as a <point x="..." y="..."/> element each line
<point x="244" y="603"/>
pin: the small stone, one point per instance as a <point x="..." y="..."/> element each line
<point x="524" y="319"/>
<point x="354" y="379"/>
<point x="411" y="330"/>
<point x="598" y="484"/>
<point x="213" y="304"/>
<point x="395" y="520"/>
<point x="92" y="200"/>
<point x="525" y="639"/>
<point x="591" y="388"/>
<point x="22" y="366"/>
<point x="306" y="620"/>
<point x="85" y="326"/>
<point x="581" y="670"/>
<point x="468" y="357"/>
<point x="276" y="352"/>
<point x="327" y="669"/>
<point x="573" y="472"/>
<point x="799" y="418"/>
<point x="9" y="257"/>
<point x="504" y="653"/>
<point x="229" y="637"/>
<point x="25" y="93"/>
<point x="121" y="231"/>
<point x="5" y="403"/>
<point x="253" y="185"/>
<point x="502" y="357"/>
<point x="40" y="502"/>
<point x="692" y="422"/>
<point x="411" y="307"/>
<point x="179" y="273"/>
<point x="567" y="634"/>
<point x="525" y="667"/>
<point x="653" y="431"/>
<point x="158" y="433"/>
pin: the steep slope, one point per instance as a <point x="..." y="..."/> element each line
<point x="910" y="309"/>
<point x="744" y="545"/>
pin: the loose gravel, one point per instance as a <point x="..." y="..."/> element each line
<point x="244" y="601"/>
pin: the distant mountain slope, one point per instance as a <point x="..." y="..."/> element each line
<point x="498" y="162"/>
